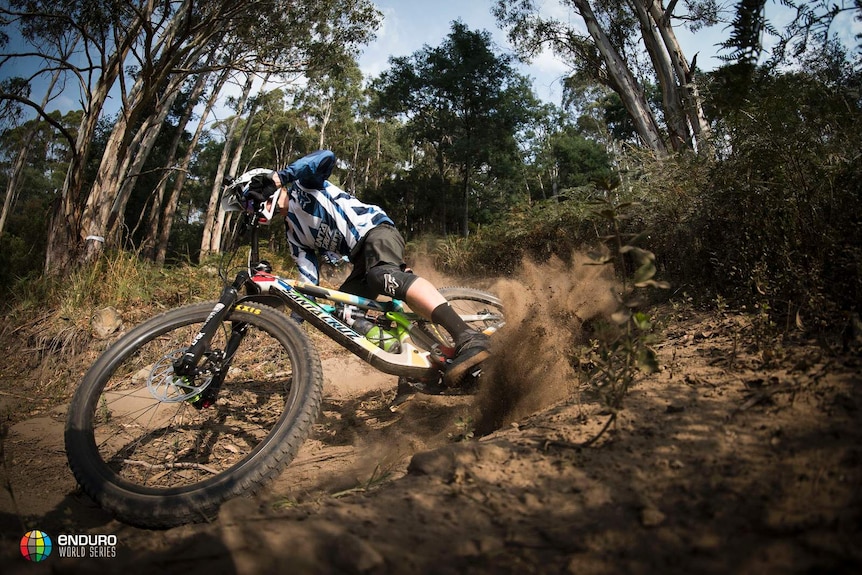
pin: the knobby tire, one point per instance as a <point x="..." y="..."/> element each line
<point x="155" y="463"/>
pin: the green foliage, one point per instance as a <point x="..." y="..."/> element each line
<point x="580" y="161"/>
<point x="621" y="348"/>
<point x="118" y="279"/>
<point x="771" y="225"/>
<point x="465" y="429"/>
<point x="790" y="191"/>
<point x="746" y="35"/>
<point x="463" y="106"/>
<point x="551" y="227"/>
<point x="19" y="260"/>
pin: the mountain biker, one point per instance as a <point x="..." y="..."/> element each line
<point x="319" y="216"/>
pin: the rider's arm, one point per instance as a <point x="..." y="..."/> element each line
<point x="281" y="179"/>
<point x="311" y="170"/>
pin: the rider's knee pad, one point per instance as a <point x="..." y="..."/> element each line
<point x="388" y="279"/>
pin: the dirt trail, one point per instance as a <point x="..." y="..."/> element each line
<point x="719" y="465"/>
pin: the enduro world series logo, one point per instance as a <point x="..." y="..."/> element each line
<point x="37" y="545"/>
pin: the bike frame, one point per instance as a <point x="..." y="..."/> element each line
<point x="299" y="297"/>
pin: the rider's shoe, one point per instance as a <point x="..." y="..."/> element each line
<point x="475" y="349"/>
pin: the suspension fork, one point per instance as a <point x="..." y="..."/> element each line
<point x="187" y="364"/>
<point x="209" y="395"/>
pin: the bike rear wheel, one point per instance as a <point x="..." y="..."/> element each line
<point x="480" y="310"/>
<point x="140" y="447"/>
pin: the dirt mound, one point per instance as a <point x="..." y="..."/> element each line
<point x="725" y="461"/>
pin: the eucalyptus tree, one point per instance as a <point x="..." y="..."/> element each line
<point x="164" y="204"/>
<point x="103" y="32"/>
<point x="464" y="102"/>
<point x="146" y="50"/>
<point x="214" y="217"/>
<point x="280" y="131"/>
<point x="609" y="52"/>
<point x="37" y="175"/>
<point x="339" y="108"/>
<point x="331" y="99"/>
<point x="175" y="48"/>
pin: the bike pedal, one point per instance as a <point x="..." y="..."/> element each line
<point x="442" y="356"/>
<point x="400" y="400"/>
<point x="406" y="387"/>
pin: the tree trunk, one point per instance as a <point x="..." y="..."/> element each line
<point x="143" y="144"/>
<point x="106" y="188"/>
<point x="327" y="115"/>
<point x="350" y="183"/>
<point x="689" y="92"/>
<point x="246" y="131"/>
<point x="221" y="225"/>
<point x="155" y="216"/>
<point x="14" y="185"/>
<point x="14" y="179"/>
<point x="465" y="192"/>
<point x="441" y="169"/>
<point x="215" y="216"/>
<point x="629" y="90"/>
<point x="155" y="78"/>
<point x="674" y="114"/>
<point x="379" y="156"/>
<point x="64" y="229"/>
<point x="173" y="201"/>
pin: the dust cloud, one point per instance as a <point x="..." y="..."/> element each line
<point x="549" y="307"/>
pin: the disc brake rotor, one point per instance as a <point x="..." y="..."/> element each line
<point x="166" y="386"/>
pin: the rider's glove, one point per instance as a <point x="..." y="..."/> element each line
<point x="260" y="188"/>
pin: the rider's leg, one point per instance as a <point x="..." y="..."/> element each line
<point x="424" y="299"/>
<point x="386" y="273"/>
<point x="471" y="346"/>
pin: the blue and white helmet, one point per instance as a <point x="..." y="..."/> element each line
<point x="235" y="196"/>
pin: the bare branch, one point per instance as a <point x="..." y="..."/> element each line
<point x="45" y="116"/>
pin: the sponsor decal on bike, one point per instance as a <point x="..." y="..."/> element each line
<point x="37" y="545"/>
<point x="248" y="309"/>
<point x="330" y="321"/>
<point x="218" y="307"/>
<point x="410" y="356"/>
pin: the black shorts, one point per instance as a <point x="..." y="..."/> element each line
<point x="382" y="246"/>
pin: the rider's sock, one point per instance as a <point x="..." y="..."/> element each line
<point x="444" y="315"/>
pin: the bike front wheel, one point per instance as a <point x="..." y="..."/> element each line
<point x="141" y="444"/>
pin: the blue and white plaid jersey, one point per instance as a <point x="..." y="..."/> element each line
<point x="323" y="220"/>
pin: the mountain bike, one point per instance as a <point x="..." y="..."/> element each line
<point x="212" y="400"/>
